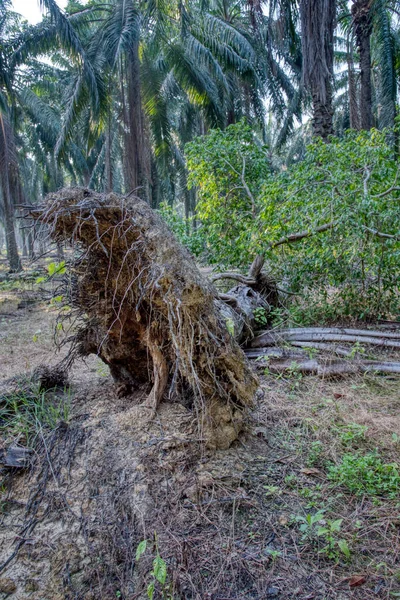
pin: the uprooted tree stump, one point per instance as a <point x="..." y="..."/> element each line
<point x="146" y="310"/>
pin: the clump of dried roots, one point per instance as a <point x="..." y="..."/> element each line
<point x="146" y="309"/>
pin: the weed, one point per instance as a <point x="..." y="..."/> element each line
<point x="315" y="527"/>
<point x="25" y="413"/>
<point x="315" y="453"/>
<point x="260" y="316"/>
<point x="158" y="574"/>
<point x="366" y="474"/>
<point x="352" y="434"/>
<point x="291" y="480"/>
<point x="274" y="554"/>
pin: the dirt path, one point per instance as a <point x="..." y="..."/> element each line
<point x="240" y="524"/>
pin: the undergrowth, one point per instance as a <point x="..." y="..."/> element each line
<point x="27" y="412"/>
<point x="367" y="475"/>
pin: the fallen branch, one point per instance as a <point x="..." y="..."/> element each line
<point x="380" y="234"/>
<point x="235" y="276"/>
<point x="324" y="347"/>
<point x="336" y="330"/>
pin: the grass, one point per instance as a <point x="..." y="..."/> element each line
<point x="29" y="411"/>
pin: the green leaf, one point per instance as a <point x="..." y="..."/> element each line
<point x="141" y="549"/>
<point x="344" y="548"/>
<point x="150" y="590"/>
<point x="160" y="569"/>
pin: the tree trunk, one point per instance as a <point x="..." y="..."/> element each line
<point x="317" y="29"/>
<point x="6" y="177"/>
<point x="11" y="240"/>
<point x="362" y="24"/>
<point x="137" y="163"/>
<point x="353" y="99"/>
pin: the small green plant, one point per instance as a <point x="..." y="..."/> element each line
<point x="352" y="434"/>
<point x="53" y="269"/>
<point x="158" y="574"/>
<point x="315" y="527"/>
<point x="274" y="554"/>
<point x="261" y="316"/>
<point x="315" y="453"/>
<point x="291" y="480"/>
<point x="366" y="474"/>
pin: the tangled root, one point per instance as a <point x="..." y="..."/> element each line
<point x="146" y="310"/>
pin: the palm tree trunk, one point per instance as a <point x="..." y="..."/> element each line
<point x="317" y="27"/>
<point x="137" y="168"/>
<point x="109" y="173"/>
<point x="9" y="227"/>
<point x="353" y="100"/>
<point x="362" y="23"/>
<point x="8" y="205"/>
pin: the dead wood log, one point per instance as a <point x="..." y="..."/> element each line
<point x="329" y="368"/>
<point x="147" y="311"/>
<point x="257" y="279"/>
<point x="324" y="347"/>
<point x="337" y="331"/>
<point x="270" y="338"/>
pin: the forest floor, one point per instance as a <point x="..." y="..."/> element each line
<point x="265" y="519"/>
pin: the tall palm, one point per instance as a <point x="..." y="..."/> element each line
<point x="9" y="182"/>
<point x="318" y="18"/>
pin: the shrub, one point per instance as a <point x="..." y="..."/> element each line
<point x="328" y="225"/>
<point x="228" y="168"/>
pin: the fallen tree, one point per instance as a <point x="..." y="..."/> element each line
<point x="148" y="313"/>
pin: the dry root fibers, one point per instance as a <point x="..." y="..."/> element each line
<point x="147" y="311"/>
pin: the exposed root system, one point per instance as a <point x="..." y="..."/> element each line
<point x="146" y="310"/>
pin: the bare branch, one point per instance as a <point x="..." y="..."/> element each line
<point x="236" y="277"/>
<point x="380" y="234"/>
<point x="301" y="235"/>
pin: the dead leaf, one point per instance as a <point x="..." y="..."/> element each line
<point x="311" y="471"/>
<point x="356" y="580"/>
<point x="337" y="395"/>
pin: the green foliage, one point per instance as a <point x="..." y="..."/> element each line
<point x="352" y="434"/>
<point x="228" y="168"/>
<point x="315" y="528"/>
<point x="315" y="453"/>
<point x="347" y="187"/>
<point x="158" y="574"/>
<point x="29" y="412"/>
<point x="53" y="269"/>
<point x="261" y="316"/>
<point x="367" y="474"/>
<point x="346" y="183"/>
<point x="191" y="238"/>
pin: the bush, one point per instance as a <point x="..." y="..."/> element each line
<point x="348" y="188"/>
<point x="192" y="239"/>
<point x="228" y="168"/>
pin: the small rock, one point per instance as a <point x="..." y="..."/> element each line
<point x="7" y="586"/>
<point x="273" y="592"/>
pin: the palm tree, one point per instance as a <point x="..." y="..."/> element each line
<point x="318" y="19"/>
<point x="362" y="25"/>
<point x="10" y="189"/>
